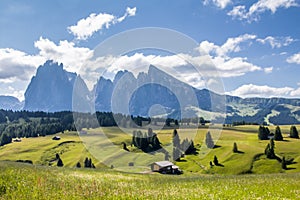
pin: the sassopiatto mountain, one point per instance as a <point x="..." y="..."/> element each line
<point x="154" y="93"/>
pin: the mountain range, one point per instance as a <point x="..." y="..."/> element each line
<point x="154" y="93"/>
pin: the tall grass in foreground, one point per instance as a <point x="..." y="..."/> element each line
<point x="21" y="181"/>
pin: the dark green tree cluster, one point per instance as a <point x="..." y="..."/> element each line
<point x="239" y="123"/>
<point x="146" y="141"/>
<point x="270" y="150"/>
<point x="263" y="133"/>
<point x="278" y="135"/>
<point x="209" y="141"/>
<point x="5" y="139"/>
<point x="88" y="163"/>
<point x="188" y="147"/>
<point x="294" y="132"/>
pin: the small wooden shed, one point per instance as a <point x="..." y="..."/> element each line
<point x="165" y="167"/>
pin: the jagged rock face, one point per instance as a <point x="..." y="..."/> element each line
<point x="103" y="91"/>
<point x="50" y="89"/>
<point x="10" y="103"/>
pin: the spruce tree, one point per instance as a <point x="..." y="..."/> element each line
<point x="263" y="133"/>
<point x="270" y="150"/>
<point x="78" y="165"/>
<point x="278" y="135"/>
<point x="176" y="146"/>
<point x="294" y="132"/>
<point x="209" y="141"/>
<point x="216" y="162"/>
<point x="86" y="162"/>
<point x="235" y="148"/>
<point x="60" y="163"/>
<point x="283" y="163"/>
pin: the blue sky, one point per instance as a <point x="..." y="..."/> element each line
<point x="254" y="44"/>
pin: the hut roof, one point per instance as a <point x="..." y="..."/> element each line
<point x="164" y="163"/>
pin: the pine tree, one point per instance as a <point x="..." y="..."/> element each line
<point x="176" y="146"/>
<point x="78" y="165"/>
<point x="176" y="140"/>
<point x="90" y="163"/>
<point x="209" y="141"/>
<point x="263" y="133"/>
<point x="235" y="148"/>
<point x="60" y="163"/>
<point x="294" y="132"/>
<point x="283" y="163"/>
<point x="270" y="150"/>
<point x="86" y="162"/>
<point x="216" y="162"/>
<point x="278" y="135"/>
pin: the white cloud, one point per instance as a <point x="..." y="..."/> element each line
<point x="16" y="70"/>
<point x="86" y="27"/>
<point x="251" y="90"/>
<point x="65" y="52"/>
<point x="220" y="56"/>
<point x="219" y="3"/>
<point x="276" y="42"/>
<point x="268" y="70"/>
<point x="294" y="58"/>
<point x="252" y="14"/>
<point x="231" y="45"/>
<point x="129" y="12"/>
<point x="17" y="65"/>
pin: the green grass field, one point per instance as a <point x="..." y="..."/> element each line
<point x="23" y="181"/>
<point x="199" y="181"/>
<point x="105" y="148"/>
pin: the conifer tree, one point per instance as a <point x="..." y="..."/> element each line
<point x="216" y="162"/>
<point x="283" y="163"/>
<point x="270" y="150"/>
<point x="294" y="132"/>
<point x="176" y="146"/>
<point x="60" y="163"/>
<point x="209" y="141"/>
<point x="278" y="135"/>
<point x="235" y="148"/>
<point x="263" y="133"/>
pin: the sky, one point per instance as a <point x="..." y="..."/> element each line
<point x="254" y="45"/>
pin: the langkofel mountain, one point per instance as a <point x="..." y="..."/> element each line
<point x="154" y="93"/>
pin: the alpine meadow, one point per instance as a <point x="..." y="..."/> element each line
<point x="149" y="100"/>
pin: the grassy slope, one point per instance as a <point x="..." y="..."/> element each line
<point x="71" y="148"/>
<point x="22" y="181"/>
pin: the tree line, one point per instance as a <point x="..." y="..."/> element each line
<point x="18" y="124"/>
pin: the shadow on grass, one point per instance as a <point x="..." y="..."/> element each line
<point x="181" y="160"/>
<point x="219" y="165"/>
<point x="240" y="152"/>
<point x="216" y="146"/>
<point x="290" y="168"/>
